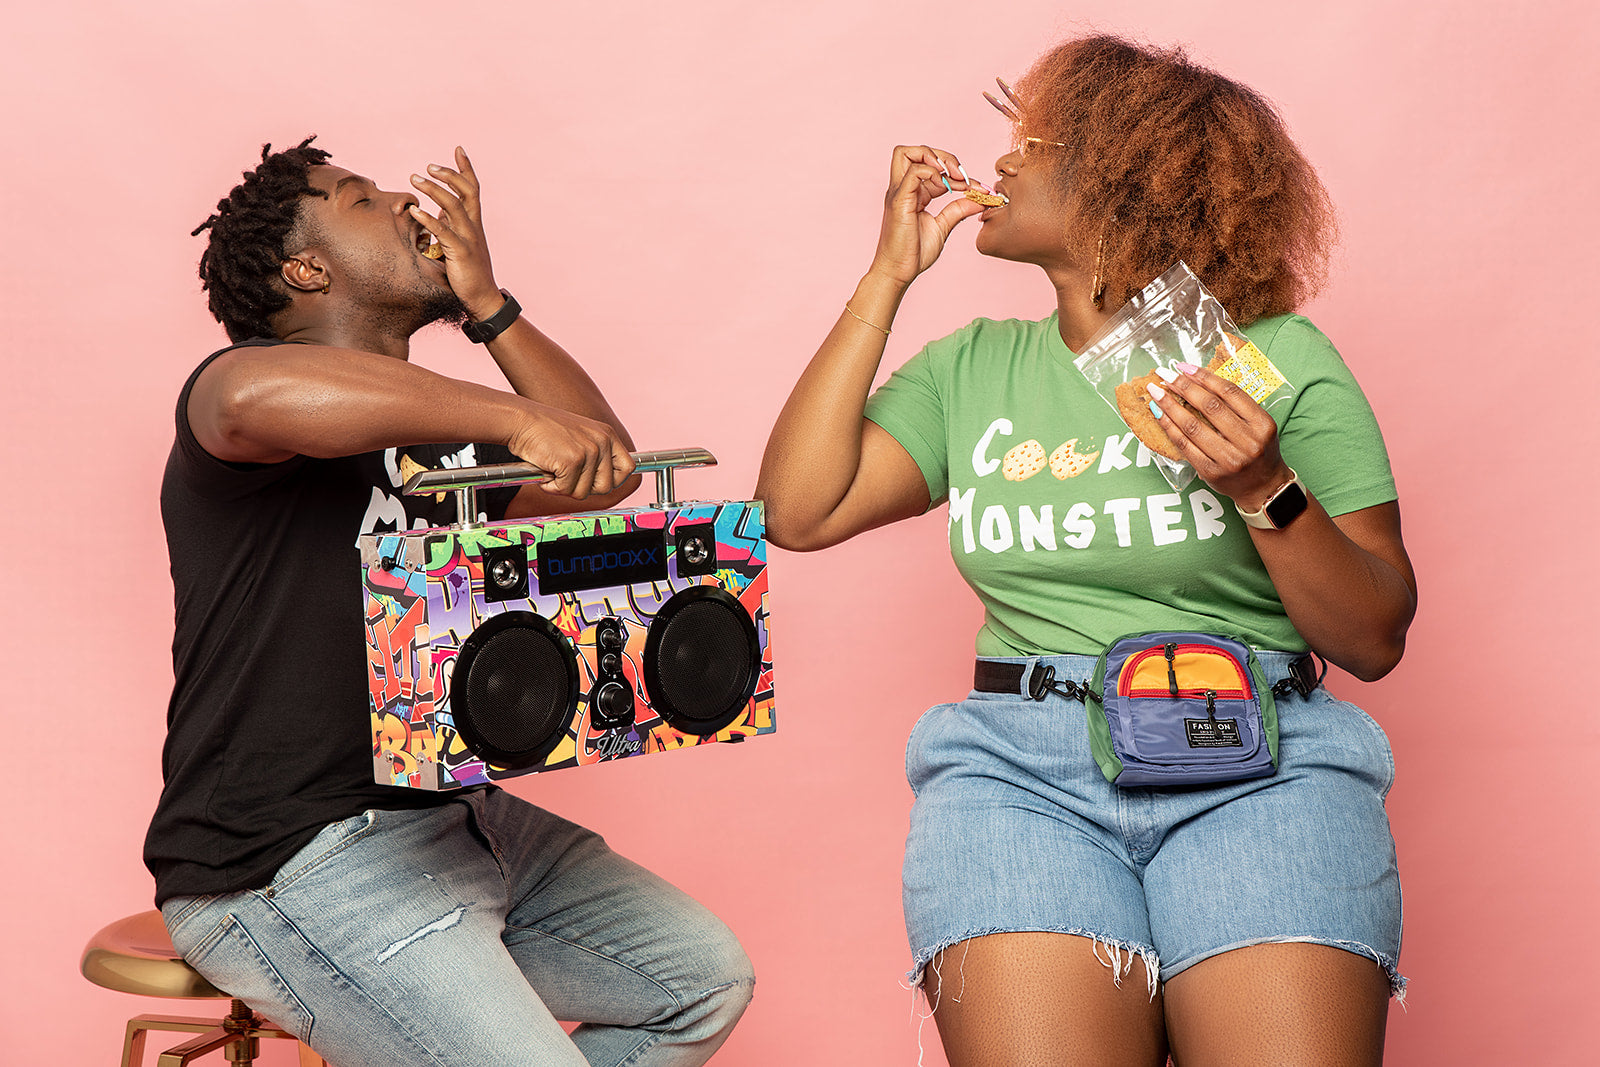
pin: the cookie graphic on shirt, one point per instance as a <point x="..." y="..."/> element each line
<point x="1067" y="462"/>
<point x="1023" y="461"/>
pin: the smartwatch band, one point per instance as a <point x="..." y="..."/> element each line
<point x="481" y="333"/>
<point x="1281" y="508"/>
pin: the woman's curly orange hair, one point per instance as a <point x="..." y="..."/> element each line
<point x="1168" y="160"/>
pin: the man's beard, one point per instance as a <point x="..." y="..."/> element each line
<point x="443" y="307"/>
<point x="440" y="306"/>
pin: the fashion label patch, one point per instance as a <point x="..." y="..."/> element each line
<point x="1213" y="733"/>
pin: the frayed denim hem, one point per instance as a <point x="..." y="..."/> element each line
<point x="1117" y="954"/>
<point x="1390" y="965"/>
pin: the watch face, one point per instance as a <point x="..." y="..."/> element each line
<point x="1286" y="505"/>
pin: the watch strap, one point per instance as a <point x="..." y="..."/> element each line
<point x="1260" y="519"/>
<point x="481" y="333"/>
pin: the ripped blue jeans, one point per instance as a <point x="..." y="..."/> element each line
<point x="460" y="934"/>
<point x="1015" y="829"/>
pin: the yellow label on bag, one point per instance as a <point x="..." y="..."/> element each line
<point x="1250" y="369"/>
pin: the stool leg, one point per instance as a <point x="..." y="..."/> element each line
<point x="140" y="1026"/>
<point x="237" y="1037"/>
<point x="133" y="1045"/>
<point x="210" y="1041"/>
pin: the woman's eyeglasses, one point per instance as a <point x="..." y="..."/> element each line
<point x="1011" y="107"/>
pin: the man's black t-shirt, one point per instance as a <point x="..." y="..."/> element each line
<point x="268" y="733"/>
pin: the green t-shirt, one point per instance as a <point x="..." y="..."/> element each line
<point x="1069" y="564"/>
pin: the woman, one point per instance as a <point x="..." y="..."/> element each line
<point x="1255" y="921"/>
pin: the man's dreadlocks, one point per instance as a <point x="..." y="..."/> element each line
<point x="248" y="234"/>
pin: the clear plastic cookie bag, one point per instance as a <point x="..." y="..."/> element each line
<point x="1173" y="320"/>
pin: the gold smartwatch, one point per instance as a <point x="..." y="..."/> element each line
<point x="1281" y="508"/>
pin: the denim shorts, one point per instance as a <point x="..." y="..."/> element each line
<point x="1015" y="829"/>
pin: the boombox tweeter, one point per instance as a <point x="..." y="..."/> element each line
<point x="507" y="648"/>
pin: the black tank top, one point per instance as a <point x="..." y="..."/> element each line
<point x="268" y="729"/>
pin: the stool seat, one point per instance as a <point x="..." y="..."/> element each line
<point x="135" y="955"/>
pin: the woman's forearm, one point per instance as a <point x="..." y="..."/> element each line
<point x="814" y="454"/>
<point x="1346" y="584"/>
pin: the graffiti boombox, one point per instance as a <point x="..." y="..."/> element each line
<point x="528" y="645"/>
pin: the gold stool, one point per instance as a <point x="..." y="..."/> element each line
<point x="135" y="955"/>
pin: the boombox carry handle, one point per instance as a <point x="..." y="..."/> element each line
<point x="466" y="481"/>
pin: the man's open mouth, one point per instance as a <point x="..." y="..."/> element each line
<point x="427" y="247"/>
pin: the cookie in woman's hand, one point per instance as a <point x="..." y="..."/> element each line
<point x="1133" y="404"/>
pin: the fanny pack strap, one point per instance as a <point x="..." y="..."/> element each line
<point x="1301" y="678"/>
<point x="991" y="677"/>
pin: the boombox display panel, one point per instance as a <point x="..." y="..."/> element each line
<point x="680" y="626"/>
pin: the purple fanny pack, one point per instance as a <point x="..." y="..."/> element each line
<point x="1178" y="708"/>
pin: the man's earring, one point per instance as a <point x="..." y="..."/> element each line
<point x="327" y="283"/>
<point x="1097" y="288"/>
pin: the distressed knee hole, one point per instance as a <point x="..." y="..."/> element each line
<point x="444" y="922"/>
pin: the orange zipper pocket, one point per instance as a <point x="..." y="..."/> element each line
<point x="1184" y="670"/>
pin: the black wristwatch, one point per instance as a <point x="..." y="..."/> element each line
<point x="1281" y="508"/>
<point x="481" y="333"/>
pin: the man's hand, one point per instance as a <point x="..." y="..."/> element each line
<point x="583" y="456"/>
<point x="459" y="230"/>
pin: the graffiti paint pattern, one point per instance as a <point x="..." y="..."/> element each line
<point x="424" y="594"/>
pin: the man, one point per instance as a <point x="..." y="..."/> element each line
<point x="382" y="925"/>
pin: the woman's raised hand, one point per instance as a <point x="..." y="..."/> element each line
<point x="911" y="237"/>
<point x="1234" y="449"/>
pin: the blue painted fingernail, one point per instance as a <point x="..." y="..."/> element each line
<point x="946" y="184"/>
<point x="1155" y="409"/>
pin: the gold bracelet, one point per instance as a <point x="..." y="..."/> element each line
<point x="858" y="318"/>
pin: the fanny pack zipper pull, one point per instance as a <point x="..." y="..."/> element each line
<point x="1171" y="649"/>
<point x="1211" y="704"/>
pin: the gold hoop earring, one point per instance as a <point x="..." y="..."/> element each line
<point x="1097" y="288"/>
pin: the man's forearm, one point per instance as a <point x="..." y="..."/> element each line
<point x="541" y="370"/>
<point x="267" y="404"/>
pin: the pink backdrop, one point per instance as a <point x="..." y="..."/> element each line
<point x="697" y="186"/>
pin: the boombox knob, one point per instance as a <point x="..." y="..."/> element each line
<point x="612" y="706"/>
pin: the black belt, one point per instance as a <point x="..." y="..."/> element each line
<point x="991" y="677"/>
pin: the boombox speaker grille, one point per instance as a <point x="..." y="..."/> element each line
<point x="702" y="660"/>
<point x="515" y="689"/>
